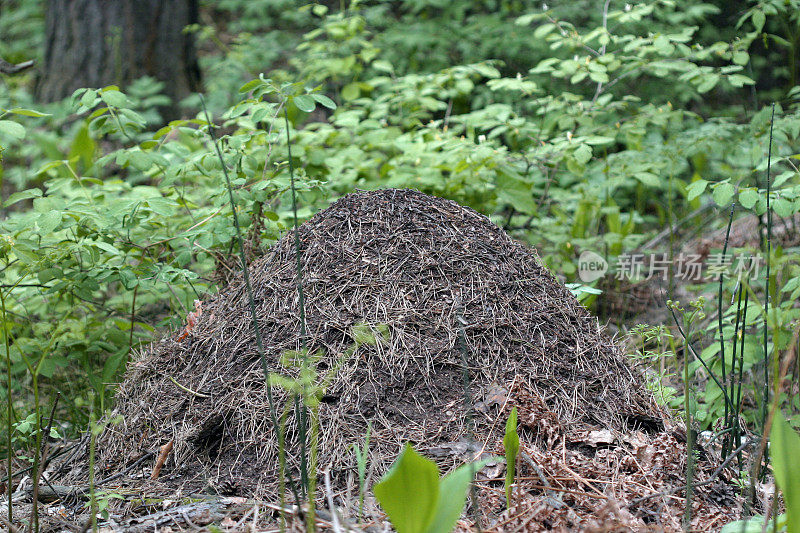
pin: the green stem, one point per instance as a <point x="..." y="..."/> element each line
<point x="687" y="517"/>
<point x="37" y="449"/>
<point x="9" y="409"/>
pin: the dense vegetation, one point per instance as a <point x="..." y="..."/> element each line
<point x="577" y="126"/>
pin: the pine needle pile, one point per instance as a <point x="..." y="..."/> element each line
<point x="438" y="283"/>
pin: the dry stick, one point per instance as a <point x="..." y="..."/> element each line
<point x="249" y="288"/>
<point x="127" y="469"/>
<point x="9" y="525"/>
<point x="11" y="68"/>
<point x="334" y="514"/>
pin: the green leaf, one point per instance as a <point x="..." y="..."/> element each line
<point x="351" y="91"/>
<point x="409" y="492"/>
<point x="785" y="448"/>
<point x="723" y="193"/>
<point x="695" y="189"/>
<point x="107" y="247"/>
<point x="748" y="198"/>
<point x="740" y="57"/>
<point x="22" y="195"/>
<point x="782" y="207"/>
<point x="511" y="445"/>
<point x="707" y="82"/>
<point x="324" y="100"/>
<point x="453" y="489"/>
<point x="27" y="112"/>
<point x="14" y="129"/>
<point x="583" y="154"/>
<point x="648" y="178"/>
<point x="250" y="85"/>
<point x="759" y="18"/>
<point x="49" y="221"/>
<point x="162" y="206"/>
<point x="304" y="102"/>
<point x="114" y="98"/>
<point x="598" y="139"/>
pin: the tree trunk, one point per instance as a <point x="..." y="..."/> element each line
<point x="94" y="43"/>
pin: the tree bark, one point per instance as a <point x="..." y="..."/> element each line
<point x="94" y="43"/>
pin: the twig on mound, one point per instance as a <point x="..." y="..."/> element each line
<point x="187" y="389"/>
<point x="127" y="469"/>
<point x="162" y="458"/>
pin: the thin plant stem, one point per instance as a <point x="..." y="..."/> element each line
<point x="40" y="451"/>
<point x="691" y="349"/>
<point x="306" y="481"/>
<point x="732" y="415"/>
<point x="726" y="443"/>
<point x="737" y="430"/>
<point x="37" y="408"/>
<point x="9" y="409"/>
<point x="92" y="448"/>
<point x="249" y="288"/>
<point x="687" y="516"/>
<point x="766" y="285"/>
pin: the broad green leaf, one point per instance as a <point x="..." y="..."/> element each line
<point x="250" y="85"/>
<point x="114" y="98"/>
<point x="409" y="492"/>
<point x="707" y="82"/>
<point x="27" y="112"/>
<point x="107" y="247"/>
<point x="785" y="448"/>
<point x="740" y="57"/>
<point x="511" y="445"/>
<point x="598" y="139"/>
<point x="759" y="18"/>
<point x="351" y="91"/>
<point x="583" y="154"/>
<point x="14" y="129"/>
<point x="22" y="195"/>
<point x="49" y="221"/>
<point x="648" y="178"/>
<point x="304" y="102"/>
<point x="453" y="490"/>
<point x="723" y="193"/>
<point x="782" y="207"/>
<point x="695" y="189"/>
<point x="162" y="206"/>
<point x="324" y="100"/>
<point x="748" y="198"/>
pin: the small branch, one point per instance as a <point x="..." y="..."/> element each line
<point x="187" y="389"/>
<point x="10" y="68"/>
<point x="162" y="458"/>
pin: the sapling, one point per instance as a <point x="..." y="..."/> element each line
<point x="362" y="454"/>
<point x="511" y="445"/>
